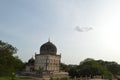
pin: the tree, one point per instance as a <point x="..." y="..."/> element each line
<point x="8" y="63"/>
<point x="63" y="67"/>
<point x="90" y="68"/>
<point x="113" y="67"/>
<point x="73" y="72"/>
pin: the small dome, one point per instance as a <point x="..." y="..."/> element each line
<point x="48" y="49"/>
<point x="31" y="61"/>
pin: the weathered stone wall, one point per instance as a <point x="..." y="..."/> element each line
<point x="47" y="62"/>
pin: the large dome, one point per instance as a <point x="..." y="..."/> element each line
<point x="48" y="49"/>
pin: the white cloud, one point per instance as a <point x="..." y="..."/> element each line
<point x="83" y="29"/>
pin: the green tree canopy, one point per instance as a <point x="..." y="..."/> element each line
<point x="90" y="68"/>
<point x="8" y="62"/>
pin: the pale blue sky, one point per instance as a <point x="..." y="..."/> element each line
<point x="27" y="24"/>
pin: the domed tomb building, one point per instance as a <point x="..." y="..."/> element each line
<point x="47" y="59"/>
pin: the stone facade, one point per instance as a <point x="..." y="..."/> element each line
<point x="49" y="63"/>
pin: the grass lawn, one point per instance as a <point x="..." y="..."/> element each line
<point x="17" y="78"/>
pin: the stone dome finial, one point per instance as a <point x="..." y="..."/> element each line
<point x="48" y="39"/>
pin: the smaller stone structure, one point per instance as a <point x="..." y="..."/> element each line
<point x="30" y="65"/>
